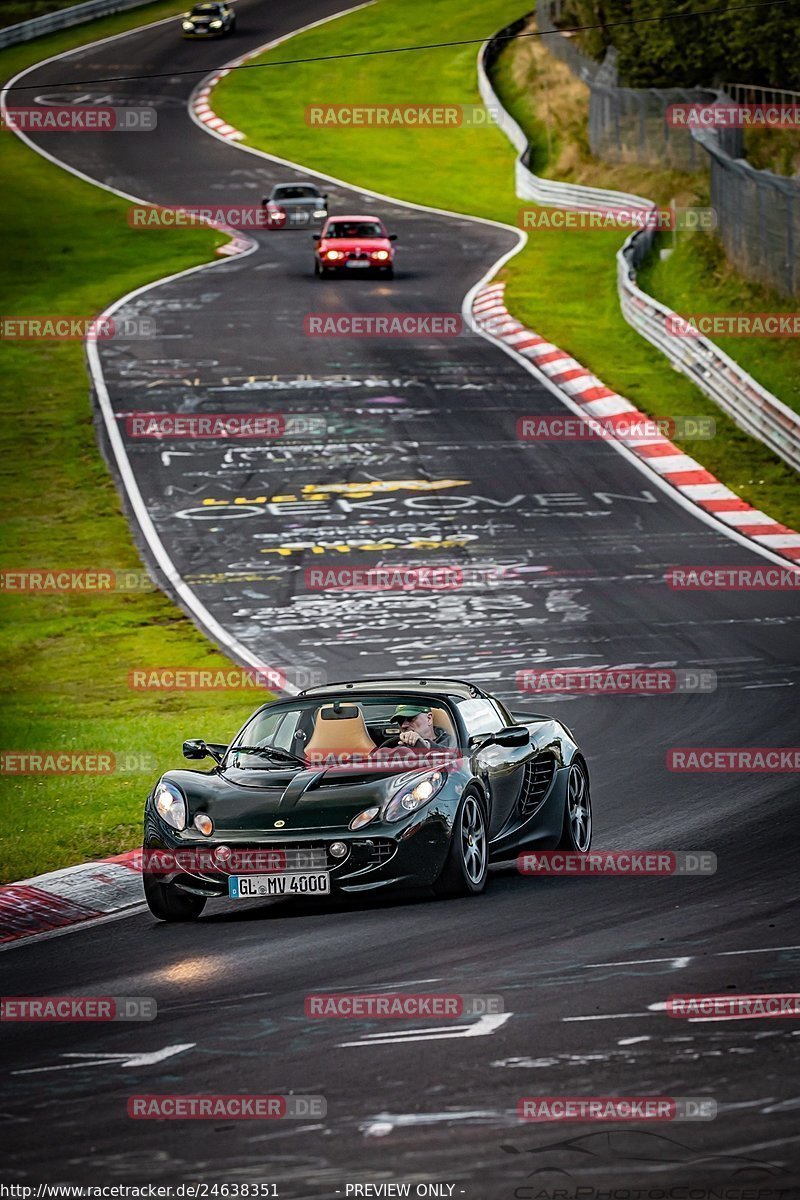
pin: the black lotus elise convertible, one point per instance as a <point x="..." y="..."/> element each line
<point x="359" y="787"/>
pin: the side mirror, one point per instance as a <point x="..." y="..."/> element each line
<point x="324" y="195"/>
<point x="392" y="237"/>
<point x="513" y="735"/>
<point x="317" y="237"/>
<point x="197" y="748"/>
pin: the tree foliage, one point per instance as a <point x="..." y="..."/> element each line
<point x="759" y="45"/>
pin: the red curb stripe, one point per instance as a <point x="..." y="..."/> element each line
<point x="736" y="505"/>
<point x="595" y="393"/>
<point x="658" y="450"/>
<point x="572" y="373"/>
<point x="25" y="910"/>
<point x="552" y="356"/>
<point x="533" y="340"/>
<point x="684" y="478"/>
<point x="627" y="418"/>
<point x="762" y="530"/>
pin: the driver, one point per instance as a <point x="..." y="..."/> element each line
<point x="417" y="729"/>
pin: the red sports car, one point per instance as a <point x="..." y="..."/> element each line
<point x="352" y="244"/>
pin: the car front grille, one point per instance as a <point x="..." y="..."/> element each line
<point x="373" y="852"/>
<point x="303" y="856"/>
<point x="297" y="856"/>
<point x="536" y="780"/>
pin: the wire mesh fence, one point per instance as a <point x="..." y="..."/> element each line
<point x="758" y="216"/>
<point x="758" y="212"/>
<point x="626" y="124"/>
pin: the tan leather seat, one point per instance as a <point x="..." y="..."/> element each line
<point x="441" y="720"/>
<point x="344" y="735"/>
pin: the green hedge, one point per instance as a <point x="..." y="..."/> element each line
<point x="752" y="45"/>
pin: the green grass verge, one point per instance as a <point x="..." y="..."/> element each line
<point x="65" y="658"/>
<point x="470" y="170"/>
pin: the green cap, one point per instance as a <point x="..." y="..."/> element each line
<point x="411" y="710"/>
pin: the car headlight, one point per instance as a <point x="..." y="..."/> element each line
<point x="215" y="24"/>
<point x="171" y="804"/>
<point x="380" y="254"/>
<point x="413" y="797"/>
<point x="334" y="254"/>
<point x="320" y="212"/>
<point x="188" y="25"/>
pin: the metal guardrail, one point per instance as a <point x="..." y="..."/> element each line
<point x="62" y="19"/>
<point x="747" y="403"/>
<point x="751" y="406"/>
<point x="754" y="93"/>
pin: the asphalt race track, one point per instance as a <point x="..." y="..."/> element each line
<point x="581" y="965"/>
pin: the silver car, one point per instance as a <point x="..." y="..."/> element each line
<point x="295" y="205"/>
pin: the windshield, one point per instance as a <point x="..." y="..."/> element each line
<point x="205" y="10"/>
<point x="355" y="229"/>
<point x="294" y="193"/>
<point x="346" y="732"/>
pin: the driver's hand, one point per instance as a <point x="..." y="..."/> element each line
<point x="409" y="737"/>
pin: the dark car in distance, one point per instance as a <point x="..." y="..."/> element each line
<point x="326" y="793"/>
<point x="213" y="18"/>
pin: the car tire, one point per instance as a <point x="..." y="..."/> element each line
<point x="167" y="904"/>
<point x="389" y="273"/>
<point x="467" y="865"/>
<point x="576" y="831"/>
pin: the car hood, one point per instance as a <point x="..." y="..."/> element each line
<point x="239" y="800"/>
<point x="377" y="243"/>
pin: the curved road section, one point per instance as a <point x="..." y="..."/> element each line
<point x="563" y="550"/>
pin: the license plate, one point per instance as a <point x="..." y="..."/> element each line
<point x="357" y="262"/>
<point x="299" y="218"/>
<point x="243" y="887"/>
